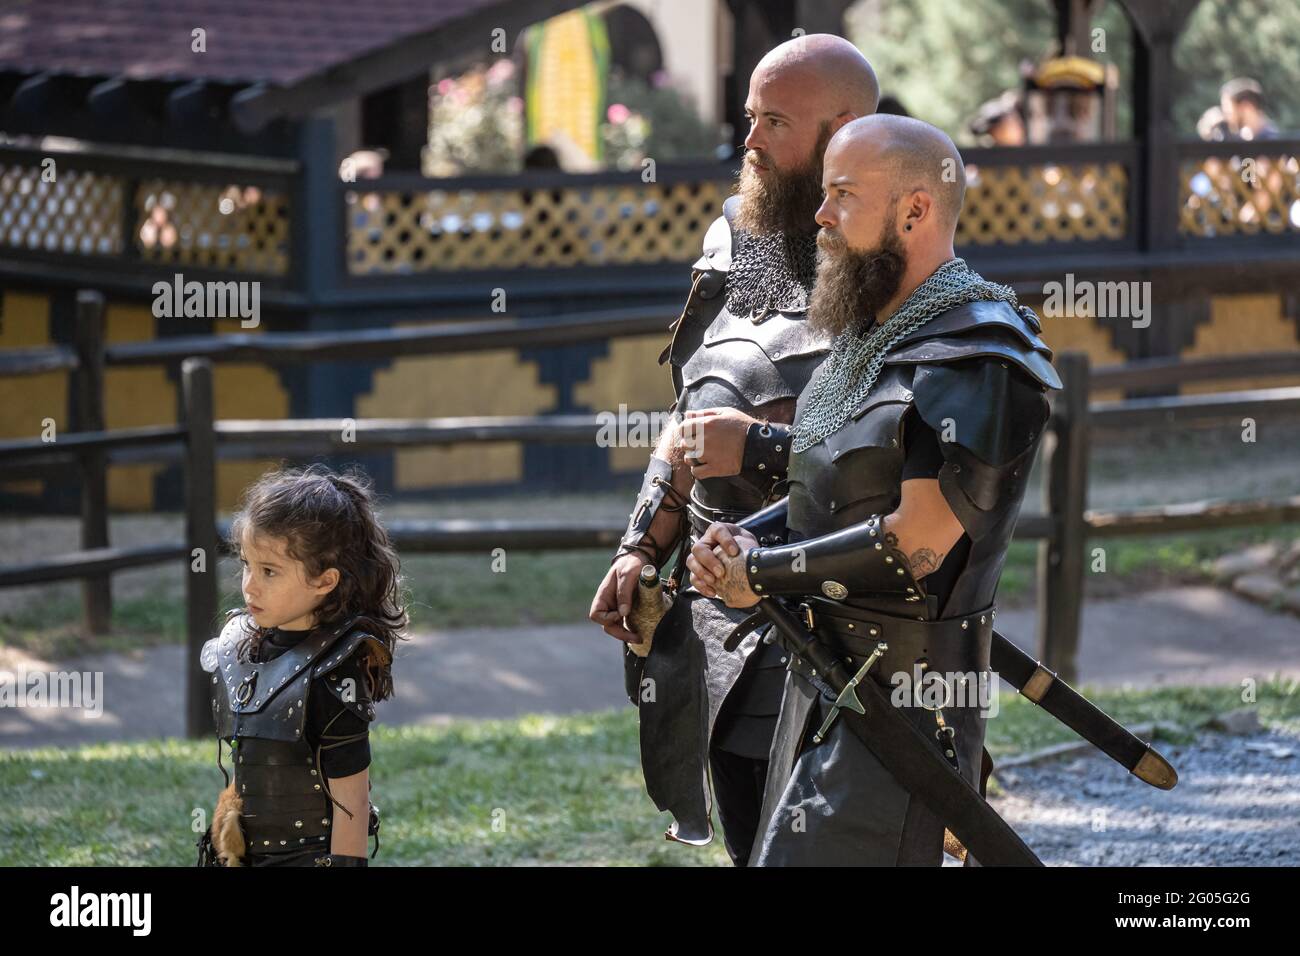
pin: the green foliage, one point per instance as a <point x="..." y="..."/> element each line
<point x="654" y="121"/>
<point x="943" y="58"/>
<point x="1228" y="38"/>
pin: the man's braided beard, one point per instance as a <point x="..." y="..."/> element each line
<point x="786" y="202"/>
<point x="854" y="285"/>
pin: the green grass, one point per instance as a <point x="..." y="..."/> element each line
<point x="1190" y="553"/>
<point x="566" y="790"/>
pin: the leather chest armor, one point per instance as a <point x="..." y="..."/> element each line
<point x="746" y="361"/>
<point x="261" y="708"/>
<point x="977" y="376"/>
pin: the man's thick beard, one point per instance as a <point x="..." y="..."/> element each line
<point x="853" y="286"/>
<point x="786" y="202"/>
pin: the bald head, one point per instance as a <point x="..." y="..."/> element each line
<point x="911" y="155"/>
<point x="830" y="69"/>
<point x="800" y="93"/>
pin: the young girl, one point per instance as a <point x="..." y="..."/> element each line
<point x="296" y="670"/>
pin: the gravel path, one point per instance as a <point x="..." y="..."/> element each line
<point x="1237" y="803"/>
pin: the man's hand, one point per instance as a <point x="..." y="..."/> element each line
<point x="714" y="439"/>
<point x="717" y="564"/>
<point x="613" y="600"/>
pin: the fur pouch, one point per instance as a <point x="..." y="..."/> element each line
<point x="227" y="837"/>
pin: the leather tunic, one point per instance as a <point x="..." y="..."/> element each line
<point x="976" y="375"/>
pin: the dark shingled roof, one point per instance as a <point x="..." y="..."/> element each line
<point x="278" y="42"/>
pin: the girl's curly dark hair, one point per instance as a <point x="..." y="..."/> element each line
<point x="328" y="520"/>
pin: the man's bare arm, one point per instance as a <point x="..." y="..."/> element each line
<point x="924" y="525"/>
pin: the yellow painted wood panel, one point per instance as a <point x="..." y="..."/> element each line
<point x="630" y="375"/>
<point x="1241" y="325"/>
<point x="431" y="386"/>
<point x="27" y="399"/>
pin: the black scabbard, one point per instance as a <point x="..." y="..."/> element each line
<point x="907" y="754"/>
<point x="1081" y="715"/>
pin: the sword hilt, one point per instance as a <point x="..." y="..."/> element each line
<point x="848" y="697"/>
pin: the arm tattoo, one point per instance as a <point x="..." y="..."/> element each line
<point x="924" y="561"/>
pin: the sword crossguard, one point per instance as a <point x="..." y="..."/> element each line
<point x="848" y="696"/>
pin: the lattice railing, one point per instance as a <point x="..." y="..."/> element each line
<point x="83" y="205"/>
<point x="416" y="230"/>
<point x="1254" y="192"/>
<point x="235" y="227"/>
<point x="76" y="212"/>
<point x="1013" y="205"/>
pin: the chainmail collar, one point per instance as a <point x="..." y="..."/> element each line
<point x="771" y="273"/>
<point x="855" y="358"/>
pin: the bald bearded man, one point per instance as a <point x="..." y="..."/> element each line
<point x="912" y="445"/>
<point x="740" y="353"/>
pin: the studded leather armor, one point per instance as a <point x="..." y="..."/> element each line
<point x="261" y="710"/>
<point x="977" y="375"/>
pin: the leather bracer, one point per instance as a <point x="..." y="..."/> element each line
<point x="655" y="488"/>
<point x="767" y="455"/>
<point x="856" y="561"/>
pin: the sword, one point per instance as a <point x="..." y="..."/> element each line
<point x="903" y="750"/>
<point x="848" y="696"/>
<point x="1057" y="698"/>
<point x="1081" y="715"/>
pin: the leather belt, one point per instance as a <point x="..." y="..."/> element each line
<point x="953" y="643"/>
<point x="702" y="516"/>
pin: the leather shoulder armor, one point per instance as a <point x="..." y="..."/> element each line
<point x="980" y="380"/>
<point x="345" y="672"/>
<point x="708" y="280"/>
<point x="723" y="360"/>
<point x="717" y="241"/>
<point x="268" y="700"/>
<point x="981" y="328"/>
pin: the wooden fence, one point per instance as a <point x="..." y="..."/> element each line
<point x="1062" y="527"/>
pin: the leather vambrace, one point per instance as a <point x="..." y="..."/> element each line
<point x="767" y="455"/>
<point x="657" y="485"/>
<point x="854" y="562"/>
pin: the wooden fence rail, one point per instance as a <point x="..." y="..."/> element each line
<point x="200" y="441"/>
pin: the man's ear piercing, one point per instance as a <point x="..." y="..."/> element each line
<point x="908" y="227"/>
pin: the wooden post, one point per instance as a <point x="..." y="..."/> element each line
<point x="1157" y="24"/>
<point x="87" y="401"/>
<point x="1065" y="497"/>
<point x="201" y="536"/>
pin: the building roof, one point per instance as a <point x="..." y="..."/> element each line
<point x="248" y="41"/>
<point x="290" y="55"/>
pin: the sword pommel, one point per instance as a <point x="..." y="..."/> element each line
<point x="1154" y="769"/>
